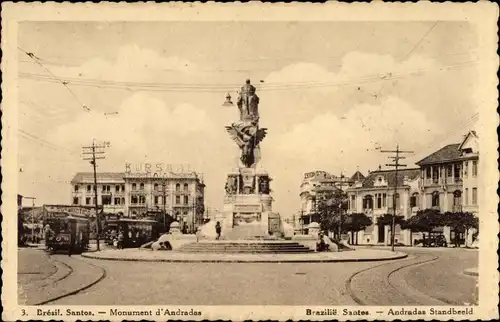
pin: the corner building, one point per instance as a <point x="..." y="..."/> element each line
<point x="134" y="195"/>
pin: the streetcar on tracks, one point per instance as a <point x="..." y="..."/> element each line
<point x="67" y="230"/>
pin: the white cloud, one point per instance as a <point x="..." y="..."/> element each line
<point x="132" y="63"/>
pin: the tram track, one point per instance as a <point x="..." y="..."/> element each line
<point x="409" y="294"/>
<point x="66" y="279"/>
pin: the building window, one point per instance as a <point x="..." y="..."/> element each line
<point x="449" y="171"/>
<point x="177" y="200"/>
<point x="76" y="188"/>
<point x="117" y="188"/>
<point x="368" y="202"/>
<point x="141" y="186"/>
<point x="413" y="200"/>
<point x="474" y="168"/>
<point x="123" y="187"/>
<point x="156" y="187"/>
<point x="428" y="172"/>
<point x="435" y="174"/>
<point x="134" y="187"/>
<point x="123" y="201"/>
<point x="133" y="199"/>
<point x="466" y="168"/>
<point x="457" y="200"/>
<point x="435" y="199"/>
<point x="379" y="200"/>
<point x="87" y="200"/>
<point x="177" y="187"/>
<point x="88" y="188"/>
<point x="466" y="202"/>
<point x="186" y="187"/>
<point x="156" y="200"/>
<point x="457" y="172"/>
<point x="186" y="200"/>
<point x="76" y="200"/>
<point x="117" y="201"/>
<point x="106" y="200"/>
<point x="474" y="196"/>
<point x="142" y="200"/>
<point x="353" y="202"/>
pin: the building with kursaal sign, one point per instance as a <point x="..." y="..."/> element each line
<point x="180" y="195"/>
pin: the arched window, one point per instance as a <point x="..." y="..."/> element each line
<point x="156" y="187"/>
<point x="435" y="199"/>
<point x="76" y="188"/>
<point x="177" y="187"/>
<point x="134" y="186"/>
<point x="186" y="187"/>
<point x="141" y="186"/>
<point x="368" y="202"/>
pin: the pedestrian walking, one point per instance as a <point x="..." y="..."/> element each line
<point x="218" y="230"/>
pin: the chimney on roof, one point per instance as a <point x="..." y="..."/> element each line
<point x="379" y="167"/>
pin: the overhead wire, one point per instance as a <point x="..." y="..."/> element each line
<point x="180" y="87"/>
<point x="37" y="60"/>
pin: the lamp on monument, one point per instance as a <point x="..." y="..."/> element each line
<point x="228" y="101"/>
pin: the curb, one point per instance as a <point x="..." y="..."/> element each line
<point x="75" y="291"/>
<point x="471" y="272"/>
<point x="249" y="260"/>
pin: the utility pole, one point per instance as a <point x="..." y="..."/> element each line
<point x="32" y="218"/>
<point x="396" y="166"/>
<point x="95" y="155"/>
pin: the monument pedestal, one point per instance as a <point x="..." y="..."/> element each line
<point x="247" y="205"/>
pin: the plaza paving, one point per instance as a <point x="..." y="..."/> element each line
<point x="432" y="277"/>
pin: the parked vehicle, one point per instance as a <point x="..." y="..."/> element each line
<point x="435" y="241"/>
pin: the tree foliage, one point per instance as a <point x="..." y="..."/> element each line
<point x="386" y="220"/>
<point x="330" y="206"/>
<point x="357" y="222"/>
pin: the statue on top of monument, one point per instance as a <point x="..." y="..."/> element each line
<point x="248" y="103"/>
<point x="246" y="133"/>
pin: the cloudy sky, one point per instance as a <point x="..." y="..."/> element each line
<point x="331" y="94"/>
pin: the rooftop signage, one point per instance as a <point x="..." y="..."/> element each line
<point x="158" y="170"/>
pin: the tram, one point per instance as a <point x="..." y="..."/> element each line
<point x="65" y="231"/>
<point x="136" y="232"/>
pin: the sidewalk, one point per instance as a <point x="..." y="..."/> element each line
<point x="362" y="255"/>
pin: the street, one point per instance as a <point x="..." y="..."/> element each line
<point x="425" y="277"/>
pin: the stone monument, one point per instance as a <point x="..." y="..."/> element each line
<point x="247" y="208"/>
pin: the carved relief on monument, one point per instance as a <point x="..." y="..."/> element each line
<point x="231" y="185"/>
<point x="264" y="185"/>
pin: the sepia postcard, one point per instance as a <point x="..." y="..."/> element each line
<point x="249" y="161"/>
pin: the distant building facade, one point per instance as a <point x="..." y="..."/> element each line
<point x="313" y="185"/>
<point x="446" y="180"/>
<point x="179" y="194"/>
<point x="374" y="195"/>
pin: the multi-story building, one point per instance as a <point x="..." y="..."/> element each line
<point x="313" y="185"/>
<point x="374" y="197"/>
<point x="134" y="195"/>
<point x="449" y="180"/>
<point x="469" y="149"/>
